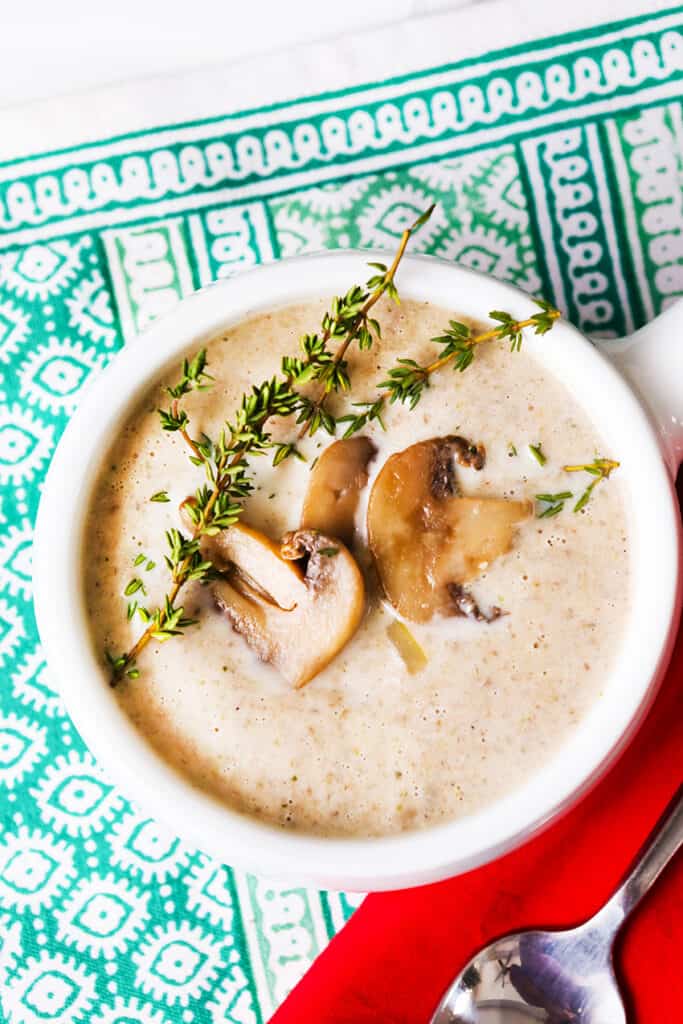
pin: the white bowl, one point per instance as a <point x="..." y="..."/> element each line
<point x="648" y="445"/>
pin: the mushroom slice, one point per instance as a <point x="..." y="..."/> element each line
<point x="301" y="642"/>
<point x="337" y="479"/>
<point x="425" y="536"/>
<point x="259" y="563"/>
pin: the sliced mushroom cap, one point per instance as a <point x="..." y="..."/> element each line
<point x="337" y="479"/>
<point x="424" y="536"/>
<point x="324" y="614"/>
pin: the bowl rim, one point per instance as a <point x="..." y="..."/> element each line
<point x="360" y="864"/>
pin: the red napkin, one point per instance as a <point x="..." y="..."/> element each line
<point x="400" y="950"/>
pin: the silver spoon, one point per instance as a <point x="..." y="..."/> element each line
<point x="562" y="977"/>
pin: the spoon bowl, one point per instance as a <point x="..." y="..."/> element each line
<point x="560" y="977"/>
<point x="554" y="977"/>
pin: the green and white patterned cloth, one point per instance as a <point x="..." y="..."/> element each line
<point x="557" y="166"/>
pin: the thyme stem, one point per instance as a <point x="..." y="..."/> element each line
<point x="183" y="431"/>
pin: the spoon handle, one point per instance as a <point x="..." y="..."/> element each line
<point x="663" y="843"/>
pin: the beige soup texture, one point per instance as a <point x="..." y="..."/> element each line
<point x="366" y="748"/>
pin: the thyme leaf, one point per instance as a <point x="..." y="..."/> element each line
<point x="552" y="504"/>
<point x="133" y="586"/>
<point x="537" y="452"/>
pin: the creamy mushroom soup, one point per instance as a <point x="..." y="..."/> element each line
<point x="383" y="706"/>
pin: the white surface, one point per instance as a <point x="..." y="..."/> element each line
<point x="411" y="858"/>
<point x="48" y="48"/>
<point x="61" y="53"/>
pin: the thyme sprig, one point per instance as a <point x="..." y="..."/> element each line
<point x="600" y="469"/>
<point x="407" y="380"/>
<point x="218" y="503"/>
<point x="552" y="504"/>
<point x="350" y="321"/>
<point x="194" y="378"/>
<point x="357" y="421"/>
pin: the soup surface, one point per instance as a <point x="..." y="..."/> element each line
<point x="366" y="748"/>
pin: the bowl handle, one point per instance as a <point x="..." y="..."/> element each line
<point x="652" y="361"/>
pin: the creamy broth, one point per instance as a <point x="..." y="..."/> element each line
<point x="366" y="748"/>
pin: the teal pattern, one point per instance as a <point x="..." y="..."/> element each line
<point x="557" y="167"/>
